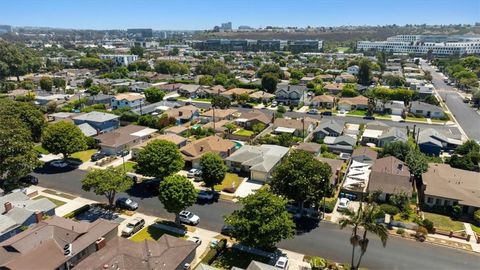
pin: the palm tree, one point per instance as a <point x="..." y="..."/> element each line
<point x="364" y="219"/>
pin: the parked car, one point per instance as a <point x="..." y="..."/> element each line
<point x="192" y="173"/>
<point x="312" y="111"/>
<point x="59" y="163"/>
<point x="97" y="156"/>
<point x="227" y="230"/>
<point x="282" y="262"/>
<point x="29" y="179"/>
<point x="126" y="203"/>
<point x="205" y="195"/>
<point x="342" y="204"/>
<point x="274" y="103"/>
<point x="195" y="239"/>
<point x="189" y="218"/>
<point x="369" y="117"/>
<point x="328" y="113"/>
<point x="133" y="226"/>
<point x="123" y="153"/>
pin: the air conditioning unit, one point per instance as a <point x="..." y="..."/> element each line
<point x="67" y="250"/>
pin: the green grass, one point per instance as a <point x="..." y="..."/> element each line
<point x="203" y="99"/>
<point x="230" y="178"/>
<point x="357" y="113"/>
<point x="60" y="194"/>
<point x="41" y="150"/>
<point x="420" y="119"/>
<point x="151" y="233"/>
<point x="244" y="132"/>
<point x="236" y="258"/>
<point x="444" y="222"/>
<point x="58" y="203"/>
<point x="342" y="49"/>
<point x="128" y="166"/>
<point x="329" y="155"/>
<point x="84" y="155"/>
<point x="476" y="229"/>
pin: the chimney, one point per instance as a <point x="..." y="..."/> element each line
<point x="100" y="243"/>
<point x="8" y="206"/>
<point x="38" y="216"/>
<point x="400" y="166"/>
<point x="180" y="113"/>
<point x="201" y="148"/>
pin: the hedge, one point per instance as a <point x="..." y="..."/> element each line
<point x="78" y="211"/>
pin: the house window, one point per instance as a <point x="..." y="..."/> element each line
<point x="429" y="200"/>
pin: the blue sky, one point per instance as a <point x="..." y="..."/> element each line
<point x="204" y="14"/>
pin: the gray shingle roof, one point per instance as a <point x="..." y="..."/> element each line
<point x="98" y="117"/>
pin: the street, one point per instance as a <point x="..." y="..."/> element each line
<point x="327" y="240"/>
<point x="466" y="116"/>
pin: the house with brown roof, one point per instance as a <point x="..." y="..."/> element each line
<point x="352" y="103"/>
<point x="345" y="78"/>
<point x="364" y="154"/>
<point x="336" y="166"/>
<point x="127" y="100"/>
<point x="220" y="114"/>
<point x="192" y="152"/>
<point x="261" y="96"/>
<point x="310" y="147"/>
<point x="178" y="130"/>
<point x="123" y="138"/>
<point x="390" y="176"/>
<point x="183" y="114"/>
<point x="248" y="119"/>
<point x="296" y="127"/>
<point x="206" y="92"/>
<point x="323" y="101"/>
<point x="236" y="92"/>
<point x="447" y="186"/>
<point x="55" y="243"/>
<point x="333" y="88"/>
<point x="168" y="252"/>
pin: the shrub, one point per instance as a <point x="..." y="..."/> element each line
<point x="329" y="205"/>
<point x="389" y="209"/>
<point x="213" y="253"/>
<point x="77" y="212"/>
<point x="421" y="233"/>
<point x="400" y="231"/>
<point x="476" y="216"/>
<point x="456" y="211"/>
<point x="318" y="263"/>
<point x="428" y="224"/>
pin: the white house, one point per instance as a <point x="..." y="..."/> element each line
<point x="120" y="59"/>
<point x="353" y="70"/>
<point x="131" y="100"/>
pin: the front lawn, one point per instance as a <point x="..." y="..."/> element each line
<point x="229" y="180"/>
<point x="357" y="113"/>
<point x="58" y="203"/>
<point x="128" y="166"/>
<point x="236" y="258"/>
<point x="476" y="229"/>
<point x="151" y="233"/>
<point x="444" y="222"/>
<point x="420" y="119"/>
<point x="84" y="156"/>
<point x="244" y="132"/>
<point x="203" y="99"/>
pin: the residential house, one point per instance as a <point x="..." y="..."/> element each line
<point x="56" y="243"/>
<point x="323" y="101"/>
<point x="326" y="77"/>
<point x="188" y="90"/>
<point x="373" y="130"/>
<point x="44" y="99"/>
<point x="330" y="128"/>
<point x="156" y="108"/>
<point x="179" y="141"/>
<point x="18" y="211"/>
<point x="192" y="152"/>
<point x="333" y="88"/>
<point x="124" y="138"/>
<point x="290" y="94"/>
<point x="352" y="103"/>
<point x="178" y="130"/>
<point x="356" y="179"/>
<point x="393" y="134"/>
<point x="426" y="110"/>
<point x="99" y="99"/>
<point x="170" y="87"/>
<point x="168" y="252"/>
<point x="248" y="119"/>
<point x="235" y="92"/>
<point x="261" y="96"/>
<point x="340" y="144"/>
<point x="345" y="78"/>
<point x="390" y="176"/>
<point x="447" y="186"/>
<point x="311" y="147"/>
<point x="335" y="166"/>
<point x="353" y="70"/>
<point x="100" y="121"/>
<point x="394" y="107"/>
<point x="183" y="114"/>
<point x="306" y="80"/>
<point x="127" y="100"/>
<point x="258" y="161"/>
<point x="364" y="154"/>
<point x="432" y="142"/>
<point x="139" y="86"/>
<point x="217" y="115"/>
<point x="297" y="127"/>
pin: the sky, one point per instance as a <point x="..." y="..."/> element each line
<point x="204" y="14"/>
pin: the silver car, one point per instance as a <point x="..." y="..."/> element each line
<point x="133" y="226"/>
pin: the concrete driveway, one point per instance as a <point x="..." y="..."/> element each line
<point x="247" y="187"/>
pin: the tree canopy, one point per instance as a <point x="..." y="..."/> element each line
<point x="177" y="193"/>
<point x="364" y="73"/>
<point x="213" y="169"/>
<point x="17" y="60"/>
<point x="153" y="94"/>
<point x="63" y="138"/>
<point x="107" y="182"/>
<point x="270" y="68"/>
<point x="220" y="102"/>
<point x="212" y="67"/>
<point x="263" y="220"/>
<point x="27" y="113"/>
<point x="171" y="67"/>
<point x="269" y="82"/>
<point x="159" y="158"/>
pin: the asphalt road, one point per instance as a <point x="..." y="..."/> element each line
<point x="326" y="240"/>
<point x="466" y="116"/>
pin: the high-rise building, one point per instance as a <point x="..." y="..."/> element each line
<point x="140" y="32"/>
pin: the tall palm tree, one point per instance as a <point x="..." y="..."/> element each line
<point x="364" y="219"/>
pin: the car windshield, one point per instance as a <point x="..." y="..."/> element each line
<point x="130" y="225"/>
<point x="128" y="201"/>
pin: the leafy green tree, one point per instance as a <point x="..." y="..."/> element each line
<point x="397" y="149"/>
<point x="349" y="90"/>
<point x="107" y="182"/>
<point x="269" y="82"/>
<point x="17" y="60"/>
<point x="263" y="220"/>
<point x="296" y="74"/>
<point x="220" y="102"/>
<point x="364" y="73"/>
<point x="467" y="147"/>
<point x="87" y="83"/>
<point x="212" y="67"/>
<point x="17" y="156"/>
<point x="46" y="83"/>
<point x="177" y="193"/>
<point x="27" y="113"/>
<point x="221" y="79"/>
<point x="171" y="67"/>
<point x="174" y="52"/>
<point x="270" y="68"/>
<point x="206" y="80"/>
<point x="159" y="159"/>
<point x="59" y="82"/>
<point x="394" y="81"/>
<point x="63" y="138"/>
<point x="137" y="50"/>
<point x="301" y="177"/>
<point x="213" y="169"/>
<point x="417" y="162"/>
<point x="281" y="109"/>
<point x="230" y="127"/>
<point x="259" y="127"/>
<point x="153" y="94"/>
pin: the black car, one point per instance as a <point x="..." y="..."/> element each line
<point x="369" y="117"/>
<point x="329" y="113"/>
<point x="227" y="230"/>
<point x="126" y="203"/>
<point x="123" y="153"/>
<point x="29" y="179"/>
<point x="97" y="156"/>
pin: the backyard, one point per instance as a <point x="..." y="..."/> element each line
<point x="236" y="258"/>
<point x="244" y="132"/>
<point x="444" y="222"/>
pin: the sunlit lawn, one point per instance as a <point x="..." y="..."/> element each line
<point x="444" y="222"/>
<point x="244" y="132"/>
<point x="40" y="149"/>
<point x="84" y="155"/>
<point x="151" y="233"/>
<point x="357" y="113"/>
<point x="230" y="178"/>
<point x="128" y="166"/>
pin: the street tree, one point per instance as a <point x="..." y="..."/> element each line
<point x="17" y="155"/>
<point x="213" y="169"/>
<point x="301" y="177"/>
<point x="159" y="158"/>
<point x="262" y="221"/>
<point x="63" y="138"/>
<point x="107" y="182"/>
<point x="137" y="50"/>
<point x="206" y="80"/>
<point x="33" y="119"/>
<point x="364" y="73"/>
<point x="46" y="83"/>
<point x="269" y="82"/>
<point x="220" y="102"/>
<point x="177" y="193"/>
<point x="153" y="94"/>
